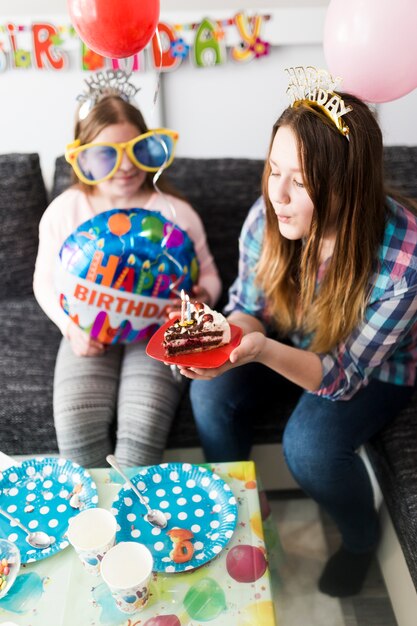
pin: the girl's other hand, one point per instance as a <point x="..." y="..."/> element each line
<point x="82" y="344"/>
<point x="200" y="294"/>
<point x="174" y="309"/>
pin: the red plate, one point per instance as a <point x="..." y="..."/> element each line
<point x="208" y="359"/>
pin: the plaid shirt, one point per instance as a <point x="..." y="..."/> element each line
<point x="384" y="344"/>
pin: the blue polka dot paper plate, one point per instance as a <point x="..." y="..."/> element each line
<point x="43" y="493"/>
<point x="192" y="497"/>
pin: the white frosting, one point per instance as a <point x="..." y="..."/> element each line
<point x="219" y="322"/>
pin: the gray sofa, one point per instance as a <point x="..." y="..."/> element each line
<point x="222" y="190"/>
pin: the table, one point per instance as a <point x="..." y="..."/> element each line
<point x="57" y="591"/>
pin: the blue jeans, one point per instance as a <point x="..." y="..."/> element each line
<point x="320" y="439"/>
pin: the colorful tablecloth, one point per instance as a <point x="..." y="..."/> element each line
<point x="233" y="589"/>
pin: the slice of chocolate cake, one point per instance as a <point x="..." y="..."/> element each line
<point x="206" y="329"/>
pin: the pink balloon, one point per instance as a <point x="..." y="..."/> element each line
<point x="372" y="46"/>
<point x="163" y="620"/>
<point x="245" y="563"/>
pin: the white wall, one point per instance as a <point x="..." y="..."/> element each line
<point x="230" y="110"/>
<point x="227" y="110"/>
<point x="37" y="111"/>
<point x="25" y="7"/>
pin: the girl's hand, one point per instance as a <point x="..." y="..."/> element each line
<point x="248" y="351"/>
<point x="82" y="344"/>
<point x="200" y="294"/>
<point x="174" y="309"/>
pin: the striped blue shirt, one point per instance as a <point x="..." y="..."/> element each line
<point x="384" y="344"/>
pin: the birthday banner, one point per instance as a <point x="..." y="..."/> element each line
<point x="44" y="46"/>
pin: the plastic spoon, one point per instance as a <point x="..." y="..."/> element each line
<point x="153" y="516"/>
<point x="37" y="539"/>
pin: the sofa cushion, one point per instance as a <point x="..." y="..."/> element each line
<point x="22" y="202"/>
<point x="401" y="168"/>
<point x="222" y="191"/>
<point x="62" y="177"/>
<point x="393" y="454"/>
<point x="29" y="343"/>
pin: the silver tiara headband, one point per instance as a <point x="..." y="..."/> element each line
<point x="102" y="84"/>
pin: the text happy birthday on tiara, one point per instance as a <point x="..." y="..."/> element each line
<point x="316" y="87"/>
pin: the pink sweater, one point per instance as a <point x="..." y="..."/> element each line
<point x="72" y="208"/>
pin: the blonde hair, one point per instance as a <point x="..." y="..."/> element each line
<point x="343" y="178"/>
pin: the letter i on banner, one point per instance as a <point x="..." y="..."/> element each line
<point x="19" y="58"/>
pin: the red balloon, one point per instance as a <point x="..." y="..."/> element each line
<point x="115" y="29"/>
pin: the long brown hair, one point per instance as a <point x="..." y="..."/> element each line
<point x="114" y="110"/>
<point x="343" y="178"/>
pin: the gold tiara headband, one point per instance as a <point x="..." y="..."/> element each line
<point x="102" y="84"/>
<point x="316" y="88"/>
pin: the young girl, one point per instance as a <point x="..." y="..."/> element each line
<point x="328" y="259"/>
<point x="93" y="382"/>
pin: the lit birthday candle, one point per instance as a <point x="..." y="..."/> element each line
<point x="182" y="306"/>
<point x="187" y="300"/>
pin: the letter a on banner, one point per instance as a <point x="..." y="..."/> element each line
<point x="208" y="50"/>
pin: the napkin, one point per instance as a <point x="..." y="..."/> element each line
<point x="6" y="462"/>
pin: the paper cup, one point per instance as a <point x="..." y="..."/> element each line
<point x="126" y="569"/>
<point x="91" y="533"/>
